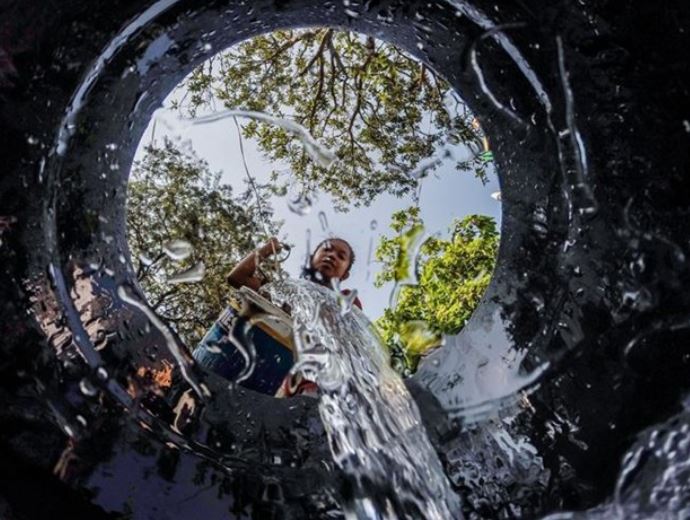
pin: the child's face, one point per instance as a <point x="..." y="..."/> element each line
<point x="332" y="259"/>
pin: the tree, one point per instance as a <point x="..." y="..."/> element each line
<point x="382" y="112"/>
<point x="174" y="197"/>
<point x="452" y="275"/>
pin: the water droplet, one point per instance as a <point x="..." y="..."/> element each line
<point x="417" y="337"/>
<point x="192" y="275"/>
<point x="178" y="249"/>
<point x="323" y="220"/>
<point x="300" y="204"/>
<point x="424" y="169"/>
<point x="102" y="374"/>
<point x="32" y="140"/>
<point x="87" y="388"/>
<point x="320" y="154"/>
<point x="213" y="348"/>
<point x="540" y="223"/>
<point x="111" y="147"/>
<point x="373" y="224"/>
<point x="145" y="260"/>
<point x="41" y="169"/>
<point x="207" y="47"/>
<point x="409" y="243"/>
<point x="346" y="302"/>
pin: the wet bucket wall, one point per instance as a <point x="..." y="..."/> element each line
<point x="587" y="316"/>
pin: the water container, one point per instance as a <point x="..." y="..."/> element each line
<point x="248" y="320"/>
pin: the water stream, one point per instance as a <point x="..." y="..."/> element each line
<point x="374" y="428"/>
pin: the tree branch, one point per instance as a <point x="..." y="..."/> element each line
<point x="317" y="97"/>
<point x="359" y="81"/>
<point x="417" y="85"/>
<point x="336" y="56"/>
<point x="437" y="82"/>
<point x="145" y="270"/>
<point x="163" y="297"/>
<point x="319" y="52"/>
<point x="289" y="44"/>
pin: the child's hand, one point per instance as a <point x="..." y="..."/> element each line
<point x="272" y="247"/>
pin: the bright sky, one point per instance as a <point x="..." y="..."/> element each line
<point x="446" y="194"/>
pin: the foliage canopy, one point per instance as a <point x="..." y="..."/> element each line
<point x="173" y="196"/>
<point x="382" y="112"/>
<point x="452" y="275"/>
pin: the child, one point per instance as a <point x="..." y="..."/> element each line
<point x="332" y="259"/>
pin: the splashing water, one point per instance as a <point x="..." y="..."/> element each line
<point x="423" y="170"/>
<point x="170" y="341"/>
<point x="299" y="202"/>
<point x="319" y="153"/>
<point x="178" y="249"/>
<point x="373" y="425"/>
<point x="346" y="300"/>
<point x="323" y="220"/>
<point x="404" y="263"/>
<point x="192" y="275"/>
<point x="480" y="75"/>
<point x="654" y="480"/>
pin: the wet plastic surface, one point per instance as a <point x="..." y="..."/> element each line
<point x="588" y="309"/>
